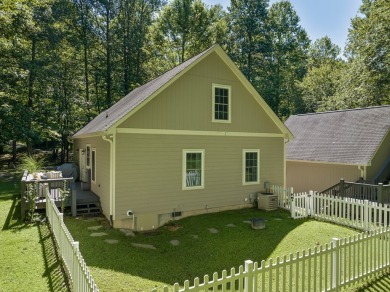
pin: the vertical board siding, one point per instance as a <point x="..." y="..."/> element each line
<point x="306" y="176"/>
<point x="149" y="172"/>
<point x="102" y="185"/>
<point x="187" y="104"/>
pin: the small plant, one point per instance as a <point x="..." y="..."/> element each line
<point x="64" y="195"/>
<point x="30" y="197"/>
<point x="31" y="164"/>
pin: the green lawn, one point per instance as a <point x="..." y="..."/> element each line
<point x="29" y="261"/>
<point x="123" y="266"/>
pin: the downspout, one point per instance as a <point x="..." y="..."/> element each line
<point x="363" y="171"/>
<point x="286" y="140"/>
<point x="109" y="138"/>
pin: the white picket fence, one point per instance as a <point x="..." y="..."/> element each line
<point x="77" y="269"/>
<point x="326" y="267"/>
<point x="359" y="214"/>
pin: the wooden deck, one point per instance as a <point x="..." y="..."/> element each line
<point x="81" y="201"/>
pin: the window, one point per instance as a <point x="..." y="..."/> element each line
<point x="221" y="103"/>
<point x="93" y="165"/>
<point x="193" y="169"/>
<point x="88" y="156"/>
<point x="251" y="168"/>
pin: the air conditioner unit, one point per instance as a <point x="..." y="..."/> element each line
<point x="267" y="202"/>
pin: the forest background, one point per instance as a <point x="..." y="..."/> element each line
<point x="64" y="61"/>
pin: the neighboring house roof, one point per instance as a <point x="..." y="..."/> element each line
<point x="345" y="137"/>
<point x="116" y="114"/>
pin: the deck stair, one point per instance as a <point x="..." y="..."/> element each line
<point x="88" y="208"/>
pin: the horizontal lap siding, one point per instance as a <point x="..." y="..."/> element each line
<point x="187" y="104"/>
<point x="304" y="176"/>
<point x="149" y="172"/>
<point x="102" y="185"/>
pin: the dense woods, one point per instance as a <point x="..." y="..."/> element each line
<point x="64" y="61"/>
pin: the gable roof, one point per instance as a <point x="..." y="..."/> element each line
<point x="346" y="137"/>
<point x="121" y="110"/>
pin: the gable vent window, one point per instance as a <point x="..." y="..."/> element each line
<point x="221" y="103"/>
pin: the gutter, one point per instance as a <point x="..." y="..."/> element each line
<point x="110" y="139"/>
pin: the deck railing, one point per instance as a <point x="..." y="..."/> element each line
<point x="77" y="269"/>
<point x="376" y="193"/>
<point x="54" y="186"/>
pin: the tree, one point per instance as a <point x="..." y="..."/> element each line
<point x="366" y="80"/>
<point x="248" y="39"/>
<point x="182" y="29"/>
<point x="288" y="60"/>
<point x="321" y="81"/>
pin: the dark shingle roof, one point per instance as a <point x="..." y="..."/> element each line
<point x="109" y="117"/>
<point x="348" y="136"/>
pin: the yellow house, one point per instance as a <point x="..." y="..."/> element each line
<point x="197" y="139"/>
<point x="351" y="144"/>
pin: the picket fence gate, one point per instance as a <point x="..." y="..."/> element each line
<point x="77" y="269"/>
<point x="326" y="267"/>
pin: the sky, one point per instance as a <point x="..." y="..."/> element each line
<point x="320" y="17"/>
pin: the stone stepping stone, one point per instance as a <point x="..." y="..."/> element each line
<point x="247" y="221"/>
<point x="147" y="246"/>
<point x="97" y="234"/>
<point x="175" y="242"/>
<point x="95" y="227"/>
<point x="127" y="232"/>
<point x="213" y="230"/>
<point x="111" y="241"/>
<point x="230" y="225"/>
<point x="194" y="236"/>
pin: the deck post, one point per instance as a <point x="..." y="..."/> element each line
<point x="73" y="194"/>
<point x="22" y="198"/>
<point x="380" y="198"/>
<point x="342" y="188"/>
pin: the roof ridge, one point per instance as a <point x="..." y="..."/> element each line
<point x="344" y="110"/>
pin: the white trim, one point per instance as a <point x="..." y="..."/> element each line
<point x="229" y="88"/>
<point x="88" y="165"/>
<point x="244" y="151"/>
<point x="184" y="168"/>
<point x="93" y="162"/>
<point x="327" y="162"/>
<point x="196" y="133"/>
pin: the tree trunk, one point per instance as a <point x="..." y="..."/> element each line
<point x="31" y="81"/>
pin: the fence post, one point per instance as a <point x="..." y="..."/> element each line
<point x="308" y="203"/>
<point x="366" y="219"/>
<point x="292" y="206"/>
<point x="342" y="188"/>
<point x="73" y="193"/>
<point x="335" y="263"/>
<point x="380" y="198"/>
<point x="75" y="273"/>
<point x="248" y="286"/>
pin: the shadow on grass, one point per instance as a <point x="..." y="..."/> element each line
<point x="200" y="251"/>
<point x="12" y="220"/>
<point x="381" y="283"/>
<point x="54" y="266"/>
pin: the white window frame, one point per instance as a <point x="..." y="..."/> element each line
<point x="244" y="152"/>
<point x="229" y="88"/>
<point x="184" y="171"/>
<point x="88" y="161"/>
<point x="93" y="170"/>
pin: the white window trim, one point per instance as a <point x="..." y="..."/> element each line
<point x="93" y="150"/>
<point x="214" y="85"/>
<point x="184" y="168"/>
<point x="88" y="166"/>
<point x="244" y="151"/>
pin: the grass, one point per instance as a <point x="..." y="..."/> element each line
<point x="28" y="257"/>
<point x="123" y="266"/>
